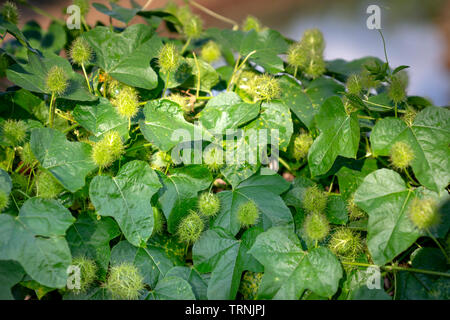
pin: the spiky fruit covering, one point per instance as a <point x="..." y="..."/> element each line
<point x="84" y="6"/>
<point x="80" y="51"/>
<point x="397" y="89"/>
<point x="10" y="12"/>
<point x="113" y="86"/>
<point x="183" y="13"/>
<point x="88" y="272"/>
<point x="308" y="53"/>
<point x="56" y="80"/>
<point x="250" y="284"/>
<point x="190" y="228"/>
<point x="245" y="79"/>
<point x="210" y="52"/>
<point x="158" y="221"/>
<point x="248" y="214"/>
<point x="346" y="243"/>
<point x="368" y="81"/>
<point x="108" y="149"/>
<point x="316" y="226"/>
<point x="4" y="200"/>
<point x="124" y="282"/>
<point x="313" y="40"/>
<point x="126" y="102"/>
<point x="193" y="28"/>
<point x="169" y="58"/>
<point x="208" y="204"/>
<point x="213" y="158"/>
<point x="409" y="116"/>
<point x="295" y="56"/>
<point x="160" y="160"/>
<point x="354" y="211"/>
<point x="47" y="186"/>
<point x="314" y="200"/>
<point x="354" y="84"/>
<point x="26" y="155"/>
<point x="264" y="87"/>
<point x="182" y="101"/>
<point x="14" y="132"/>
<point x="251" y="23"/>
<point x="302" y="143"/>
<point x="401" y="155"/>
<point x="423" y="213"/>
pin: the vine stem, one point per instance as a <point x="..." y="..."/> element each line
<point x="285" y="164"/>
<point x="198" y="76"/>
<point x="166" y="84"/>
<point x="396" y="268"/>
<point x="236" y="70"/>
<point x="86" y="77"/>
<point x="438" y="244"/>
<point x="384" y="46"/>
<point x="215" y="15"/>
<point x="146" y="5"/>
<point x="51" y="112"/>
<point x="188" y="41"/>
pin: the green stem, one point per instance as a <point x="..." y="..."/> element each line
<point x="198" y="76"/>
<point x="331" y="184"/>
<point x="384" y="46"/>
<point x="42" y="12"/>
<point x="285" y="164"/>
<point x="19" y="167"/>
<point x="86" y="77"/>
<point x="166" y="84"/>
<point x="438" y="244"/>
<point x="76" y="125"/>
<point x="51" y="112"/>
<point x="396" y="268"/>
<point x="239" y="68"/>
<point x="215" y="15"/>
<point x="295" y="72"/>
<point x="188" y="41"/>
<point x="139" y="147"/>
<point x="395" y="108"/>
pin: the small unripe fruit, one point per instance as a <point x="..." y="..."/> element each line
<point x="80" y="52"/>
<point x="182" y="101"/>
<point x="114" y="86"/>
<point x="158" y="221"/>
<point x="295" y="56"/>
<point x="423" y="213"/>
<point x="248" y="214"/>
<point x="125" y="282"/>
<point x="184" y="13"/>
<point x="409" y="116"/>
<point x="160" y="160"/>
<point x="208" y="204"/>
<point x="355" y="212"/>
<point x="169" y="58"/>
<point x="210" y="52"/>
<point x="250" y="284"/>
<point x="107" y="150"/>
<point x="245" y="79"/>
<point x="354" y="84"/>
<point x="190" y="228"/>
<point x="126" y="102"/>
<point x="251" y="23"/>
<point x="193" y="27"/>
<point x="47" y="186"/>
<point x="84" y="6"/>
<point x="4" y="200"/>
<point x="264" y="87"/>
<point x="14" y="132"/>
<point x="316" y="226"/>
<point x="213" y="158"/>
<point x="397" y="89"/>
<point x="308" y="53"/>
<point x="302" y="143"/>
<point x="313" y="40"/>
<point x="314" y="200"/>
<point x="26" y="155"/>
<point x="56" y="80"/>
<point x="346" y="243"/>
<point x="401" y="155"/>
<point x="10" y="12"/>
<point x="88" y="272"/>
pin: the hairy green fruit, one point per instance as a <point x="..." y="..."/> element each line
<point x="314" y="200"/>
<point x="14" y="132"/>
<point x="316" y="226"/>
<point x="88" y="272"/>
<point x="190" y="228"/>
<point x="302" y="143"/>
<point x="4" y="200"/>
<point x="354" y="211"/>
<point x="423" y="213"/>
<point x="47" y="186"/>
<point x="127" y="102"/>
<point x="160" y="160"/>
<point x="10" y="12"/>
<point x="182" y="101"/>
<point x="56" y="81"/>
<point x="158" y="221"/>
<point x="264" y="87"/>
<point x="26" y="155"/>
<point x="84" y="6"/>
<point x="409" y="116"/>
<point x="80" y="52"/>
<point x="354" y="84"/>
<point x="213" y="158"/>
<point x="252" y="23"/>
<point x="346" y="243"/>
<point x="208" y="204"/>
<point x="107" y="150"/>
<point x="210" y="52"/>
<point x="397" y="89"/>
<point x="248" y="214"/>
<point x="169" y="58"/>
<point x="125" y="282"/>
<point x="307" y="55"/>
<point x="401" y="155"/>
<point x="250" y="284"/>
<point x="193" y="28"/>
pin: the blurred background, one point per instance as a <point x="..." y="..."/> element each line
<point x="417" y="32"/>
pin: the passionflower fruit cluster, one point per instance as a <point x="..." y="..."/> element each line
<point x="108" y="149"/>
<point x="248" y="214"/>
<point x="208" y="204"/>
<point x="302" y="143"/>
<point x="169" y="58"/>
<point x="88" y="272"/>
<point x="316" y="225"/>
<point x="124" y="282"/>
<point x="56" y="81"/>
<point x="401" y="155"/>
<point x="190" y="228"/>
<point x="80" y="52"/>
<point x="424" y="213"/>
<point x="126" y="102"/>
<point x="264" y="87"/>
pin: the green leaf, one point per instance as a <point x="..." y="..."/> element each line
<point x="350" y="180"/>
<point x="126" y="56"/>
<point x="100" y="118"/>
<point x="117" y="12"/>
<point x="165" y="126"/>
<point x="10" y="274"/>
<point x="305" y="103"/>
<point x="428" y="137"/>
<point x="194" y="278"/>
<point x="36" y="240"/>
<point x="342" y="68"/>
<point x="32" y="76"/>
<point x="336" y="210"/>
<point x="90" y="238"/>
<point x="289" y="271"/>
<point x="227" y="111"/>
<point x="339" y="136"/>
<point x="264" y="190"/>
<point x="5" y="182"/>
<point x="385" y="197"/>
<point x="69" y="162"/>
<point x="6" y="26"/>
<point x="180" y="190"/>
<point x="126" y="197"/>
<point x="208" y="75"/>
<point x="226" y="258"/>
<point x="236" y="173"/>
<point x="172" y="288"/>
<point x="152" y="262"/>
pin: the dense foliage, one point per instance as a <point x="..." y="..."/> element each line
<point x="89" y="185"/>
